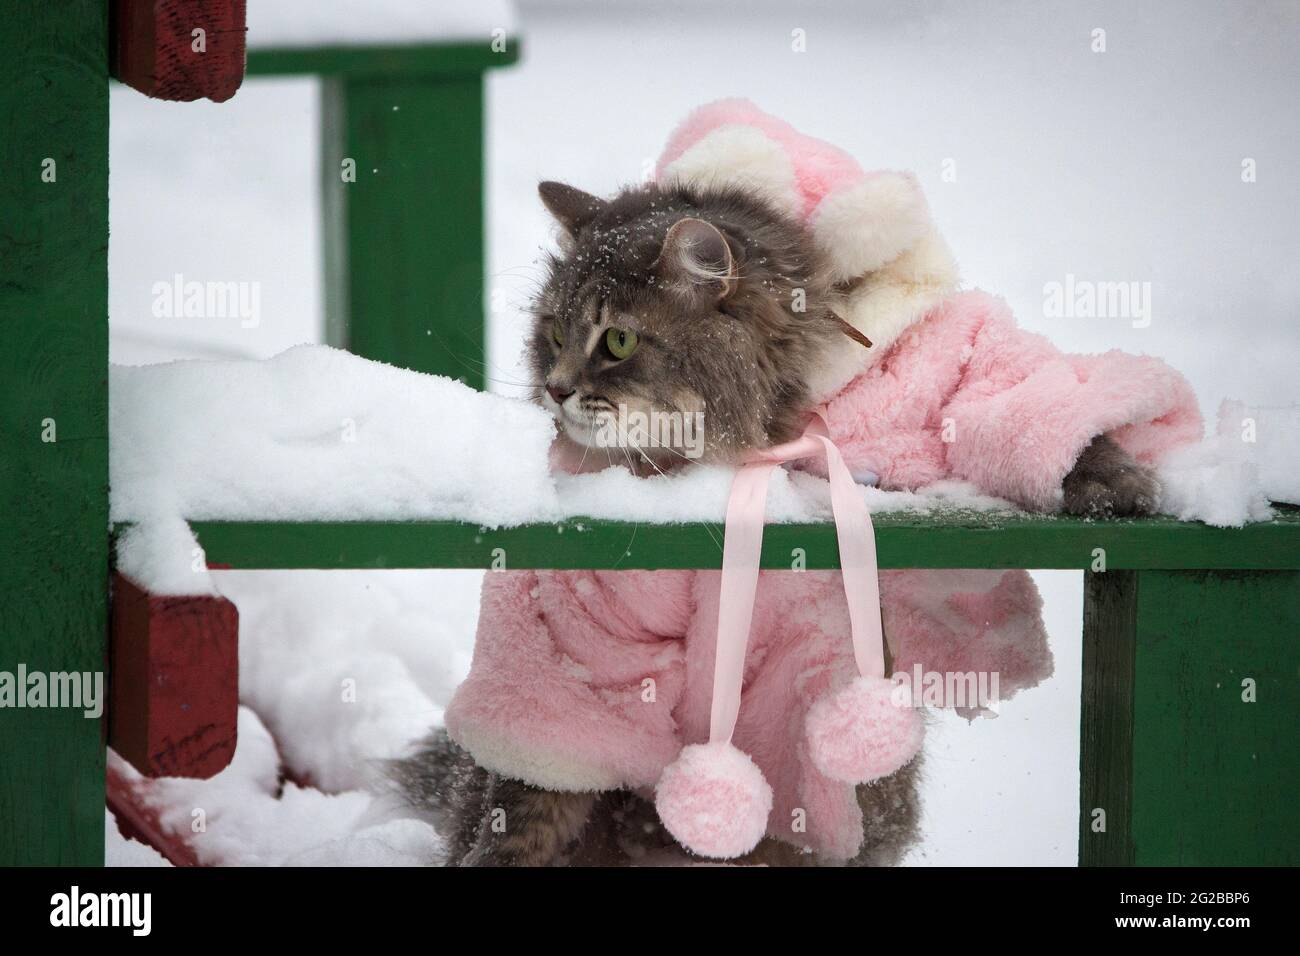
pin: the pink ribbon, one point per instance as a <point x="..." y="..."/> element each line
<point x="746" y="510"/>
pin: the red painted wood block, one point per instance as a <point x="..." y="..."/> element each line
<point x="179" y="49"/>
<point x="173" y="703"/>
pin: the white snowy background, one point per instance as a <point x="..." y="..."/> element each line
<point x="1117" y="166"/>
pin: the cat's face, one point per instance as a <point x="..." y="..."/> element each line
<point x="661" y="338"/>
<point x="620" y="366"/>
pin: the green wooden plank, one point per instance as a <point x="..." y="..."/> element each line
<point x="428" y="59"/>
<point x="54" y="366"/>
<point x="1214" y="776"/>
<point x="1106" y="719"/>
<point x="404" y="241"/>
<point x="903" y="541"/>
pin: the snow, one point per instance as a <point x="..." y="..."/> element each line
<point x="123" y="851"/>
<point x="1252" y="458"/>
<point x="299" y="23"/>
<point x="700" y="494"/>
<point x="1269" y="437"/>
<point x="243" y="817"/>
<point x="212" y="192"/>
<point x="317" y="433"/>
<point x="1213" y="482"/>
<point x="163" y="556"/>
<point x="344" y="668"/>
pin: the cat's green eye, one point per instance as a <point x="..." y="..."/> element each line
<point x="557" y="333"/>
<point x="620" y="342"/>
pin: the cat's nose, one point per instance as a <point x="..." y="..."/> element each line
<point x="558" y="392"/>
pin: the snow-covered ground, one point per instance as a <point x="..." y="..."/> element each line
<point x="1043" y="160"/>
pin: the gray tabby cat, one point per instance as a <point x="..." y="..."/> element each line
<point x="671" y="299"/>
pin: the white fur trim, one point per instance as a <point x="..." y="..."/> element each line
<point x="883" y="306"/>
<point x="741" y="156"/>
<point x="504" y="755"/>
<point x="870" y="223"/>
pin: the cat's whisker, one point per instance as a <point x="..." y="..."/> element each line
<point x="627" y="458"/>
<point x="586" y="449"/>
<point x="480" y="367"/>
<point x="651" y="463"/>
<point x="673" y="451"/>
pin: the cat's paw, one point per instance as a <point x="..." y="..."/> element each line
<point x="1119" y="496"/>
<point x="1106" y="482"/>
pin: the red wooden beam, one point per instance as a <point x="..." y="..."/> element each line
<point x="173" y="704"/>
<point x="138" y="820"/>
<point x="179" y="49"/>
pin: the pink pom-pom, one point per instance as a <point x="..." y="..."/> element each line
<point x="714" y="801"/>
<point x="864" y="731"/>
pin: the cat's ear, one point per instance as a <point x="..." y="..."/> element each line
<point x="697" y="252"/>
<point x="572" y="208"/>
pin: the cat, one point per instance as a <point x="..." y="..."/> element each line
<point x="672" y="299"/>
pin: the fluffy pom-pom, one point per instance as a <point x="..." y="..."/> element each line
<point x="864" y="731"/>
<point x="714" y="801"/>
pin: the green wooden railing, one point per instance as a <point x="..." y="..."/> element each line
<point x="954" y="540"/>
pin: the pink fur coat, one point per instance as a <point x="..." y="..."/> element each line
<point x="588" y="680"/>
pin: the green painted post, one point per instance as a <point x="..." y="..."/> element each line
<point x="402" y="196"/>
<point x="1215" y="716"/>
<point x="408" y="233"/>
<point x="1204" y="667"/>
<point x="1106" y="718"/>
<point x="53" y="419"/>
